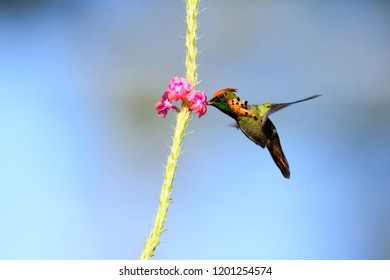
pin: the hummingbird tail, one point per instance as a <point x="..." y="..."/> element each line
<point x="275" y="149"/>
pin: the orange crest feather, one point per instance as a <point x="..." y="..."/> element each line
<point x="218" y="92"/>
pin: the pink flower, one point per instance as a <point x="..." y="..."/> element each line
<point x="178" y="88"/>
<point x="164" y="105"/>
<point x="198" y="101"/>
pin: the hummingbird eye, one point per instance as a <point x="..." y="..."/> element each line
<point x="222" y="95"/>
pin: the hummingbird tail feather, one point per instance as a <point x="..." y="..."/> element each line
<point x="279" y="158"/>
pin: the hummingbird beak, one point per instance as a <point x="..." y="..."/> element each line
<point x="210" y="102"/>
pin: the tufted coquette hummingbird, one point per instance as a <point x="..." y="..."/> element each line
<point x="254" y="122"/>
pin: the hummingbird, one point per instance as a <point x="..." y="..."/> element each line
<point x="254" y="122"/>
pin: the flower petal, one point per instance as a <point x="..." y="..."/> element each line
<point x="198" y="101"/>
<point x="164" y="105"/>
<point x="178" y="88"/>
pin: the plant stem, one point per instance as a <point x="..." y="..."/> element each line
<point x="182" y="120"/>
<point x="191" y="37"/>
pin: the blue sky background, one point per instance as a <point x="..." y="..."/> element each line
<point x="82" y="149"/>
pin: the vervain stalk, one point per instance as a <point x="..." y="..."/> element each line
<point x="182" y="120"/>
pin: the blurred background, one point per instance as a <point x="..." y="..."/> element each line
<point x="82" y="149"/>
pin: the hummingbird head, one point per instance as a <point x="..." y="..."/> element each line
<point x="221" y="98"/>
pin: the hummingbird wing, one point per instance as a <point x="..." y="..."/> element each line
<point x="278" y="106"/>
